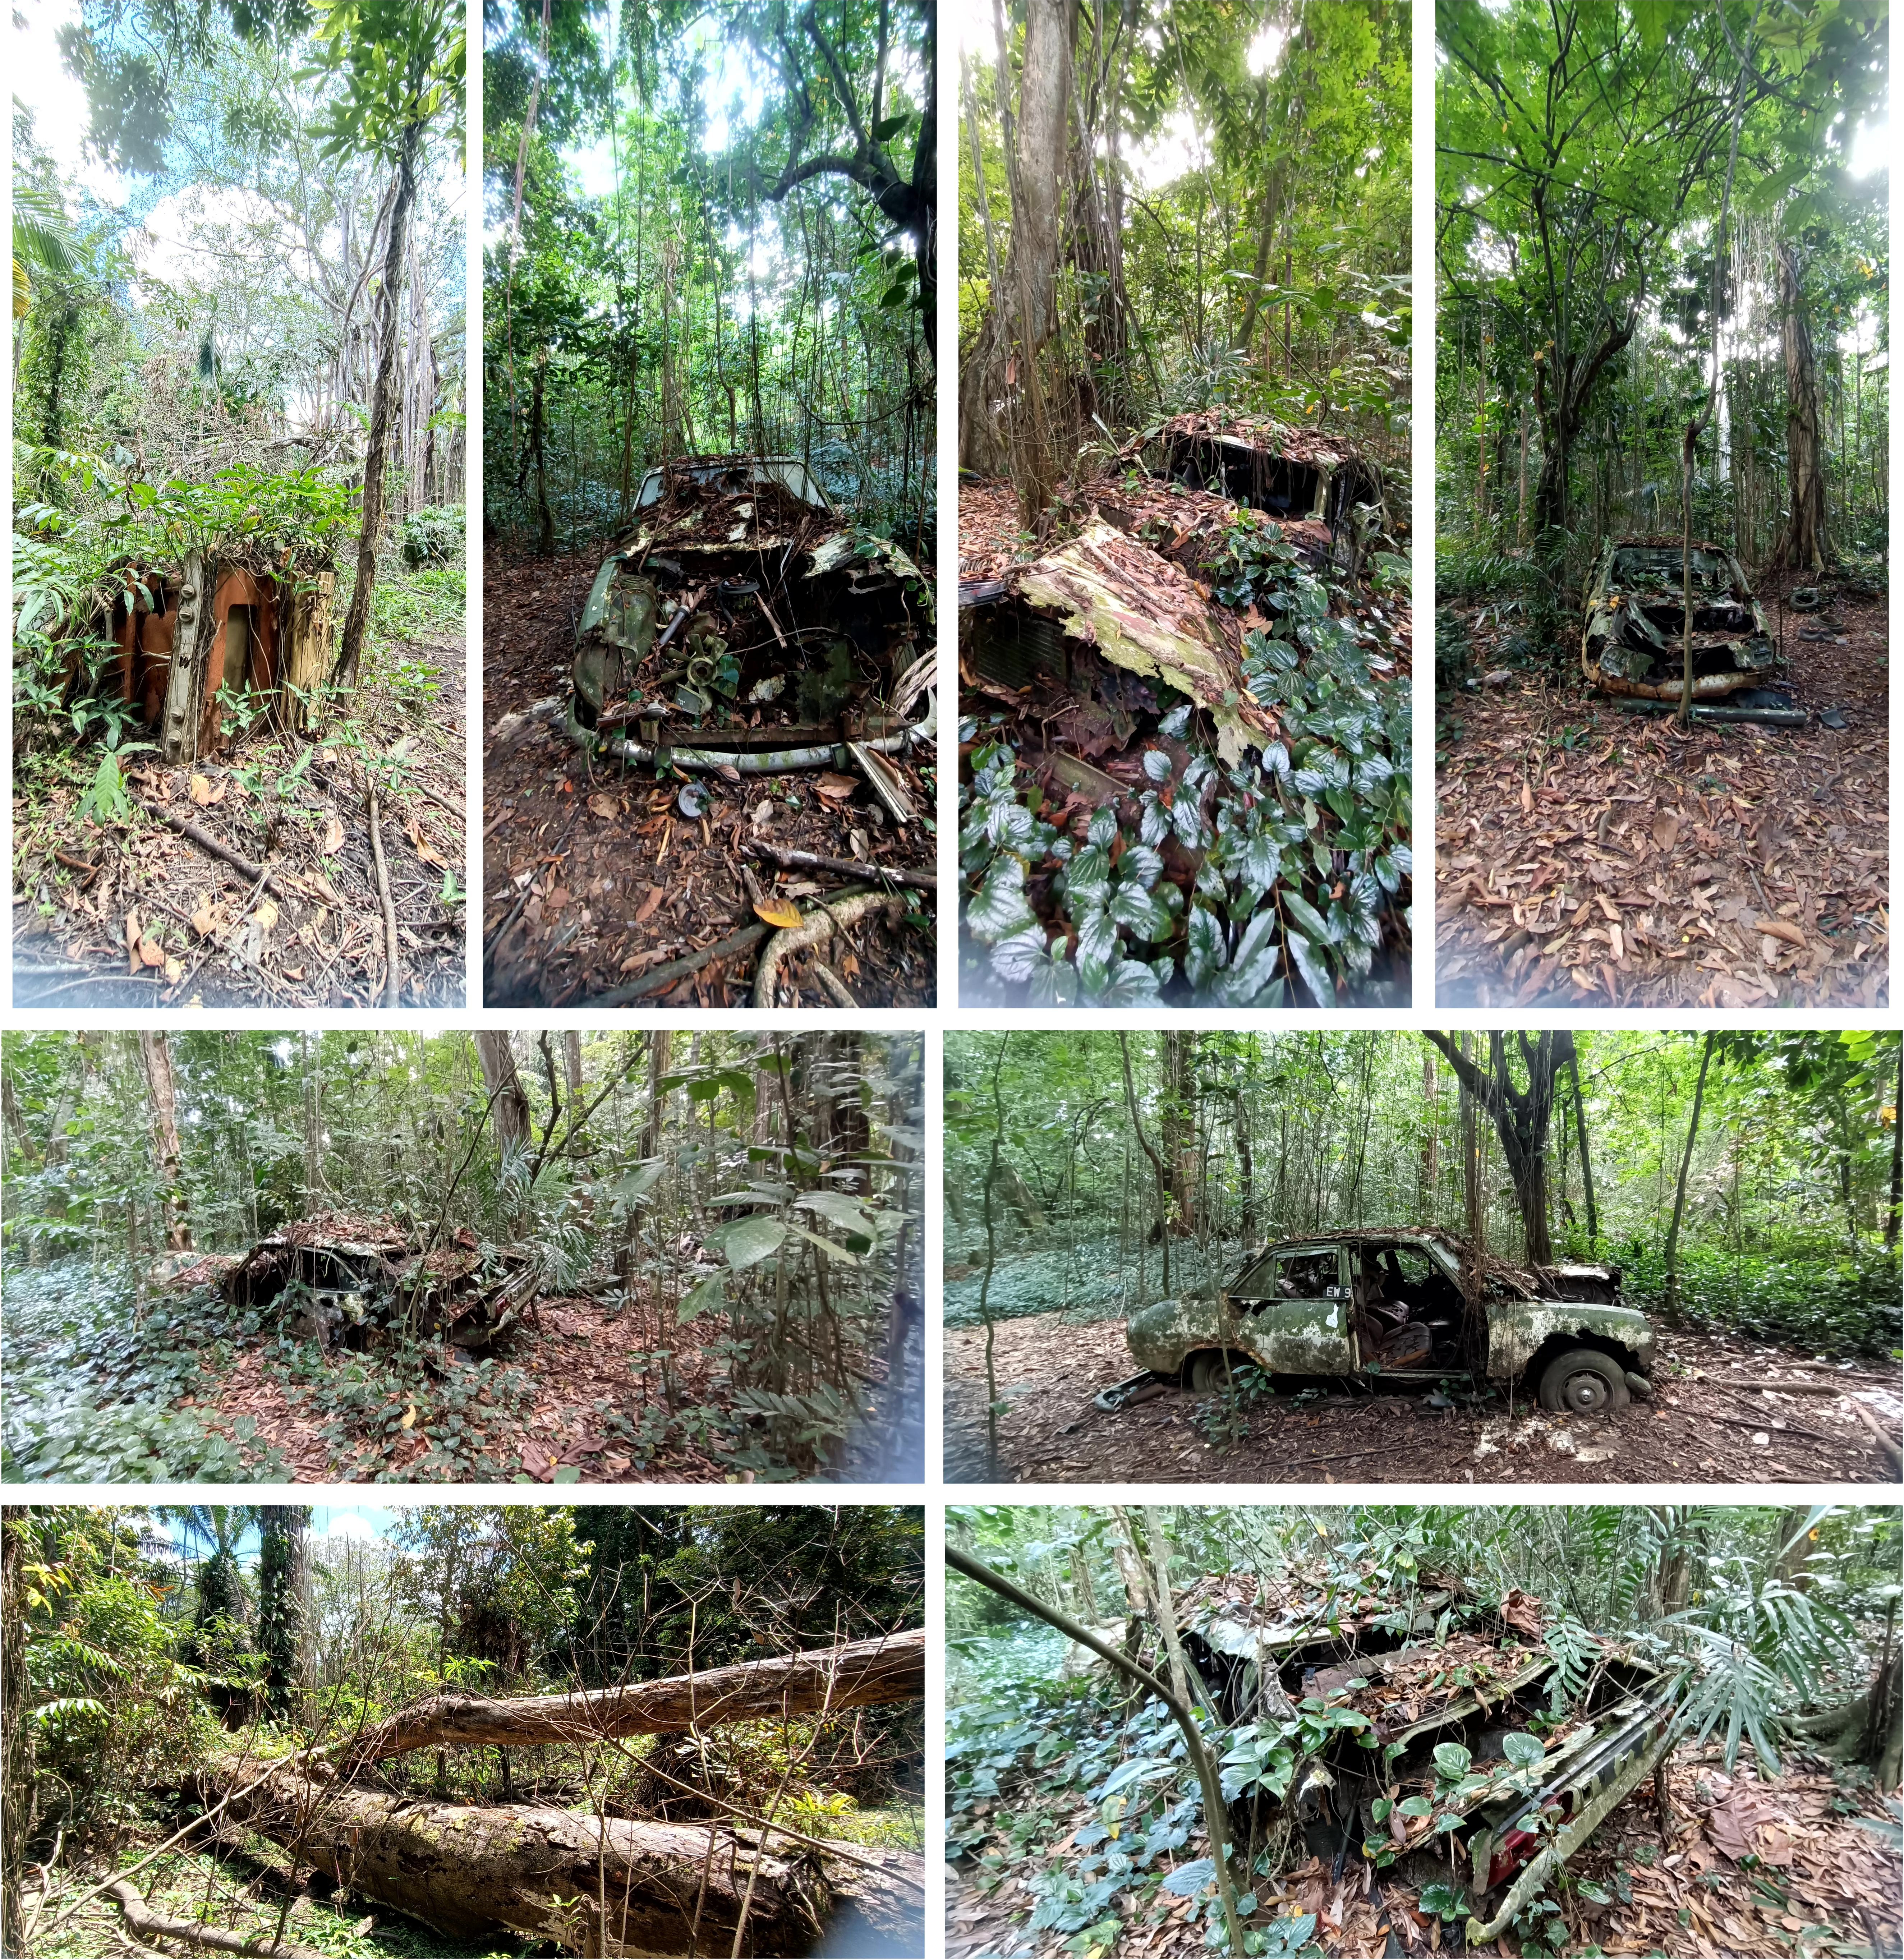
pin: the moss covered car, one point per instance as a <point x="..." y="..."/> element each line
<point x="1403" y="1304"/>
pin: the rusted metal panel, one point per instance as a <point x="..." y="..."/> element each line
<point x="1517" y="1331"/>
<point x="1632" y="642"/>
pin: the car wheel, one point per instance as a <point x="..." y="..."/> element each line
<point x="1205" y="1374"/>
<point x="1584" y="1382"/>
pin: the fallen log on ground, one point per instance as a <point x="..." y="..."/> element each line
<point x="147" y="1924"/>
<point x="860" y="1675"/>
<point x="594" y="1885"/>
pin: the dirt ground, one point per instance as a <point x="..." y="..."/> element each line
<point x="591" y="879"/>
<point x="138" y="916"/>
<point x="1697" y="1430"/>
<point x="1589" y="856"/>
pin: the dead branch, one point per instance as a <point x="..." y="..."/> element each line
<point x="148" y="1924"/>
<point x="847" y="867"/>
<point x="836" y="914"/>
<point x="393" y="971"/>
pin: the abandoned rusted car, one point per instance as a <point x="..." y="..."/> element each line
<point x="1399" y="1304"/>
<point x="1297" y="474"/>
<point x="744" y="627"/>
<point x="1633" y="640"/>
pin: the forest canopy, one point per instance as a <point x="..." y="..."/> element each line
<point x="382" y="1254"/>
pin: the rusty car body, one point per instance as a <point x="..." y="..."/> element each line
<point x="743" y="625"/>
<point x="1398" y="1304"/>
<point x="1632" y="638"/>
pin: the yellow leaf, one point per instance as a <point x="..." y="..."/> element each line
<point x="201" y="790"/>
<point x="175" y="971"/>
<point x="410" y="1417"/>
<point x="204" y="919"/>
<point x="266" y="915"/>
<point x="778" y="912"/>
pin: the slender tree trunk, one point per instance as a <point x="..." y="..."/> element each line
<point x="350" y="650"/>
<point x="1586" y="1156"/>
<point x="1679" y="1194"/>
<point x="17" y="1791"/>
<point x="1157" y="1162"/>
<point x="1801" y="546"/>
<point x="157" y="1061"/>
<point x="509" y="1112"/>
<point x="1896" y="1214"/>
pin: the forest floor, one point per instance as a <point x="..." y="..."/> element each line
<point x="1749" y="1865"/>
<point x="617" y="880"/>
<point x="1589" y="856"/>
<point x="1697" y="1430"/>
<point x="132" y="914"/>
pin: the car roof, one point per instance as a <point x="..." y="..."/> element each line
<point x="789" y="472"/>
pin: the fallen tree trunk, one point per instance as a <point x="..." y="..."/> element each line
<point x="859" y="1675"/>
<point x="593" y="1884"/>
<point x="147" y="1924"/>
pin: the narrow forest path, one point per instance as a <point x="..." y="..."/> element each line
<point x="1588" y="856"/>
<point x="1698" y="1430"/>
<point x="135" y="914"/>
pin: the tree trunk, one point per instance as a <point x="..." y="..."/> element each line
<point x="1679" y="1196"/>
<point x="17" y="1791"/>
<point x="592" y="1885"/>
<point x="1521" y="1118"/>
<point x="861" y="1674"/>
<point x="194" y="644"/>
<point x="158" y="1060"/>
<point x="1179" y="1127"/>
<point x="1896" y="1214"/>
<point x="1586" y="1158"/>
<point x="1005" y="406"/>
<point x="1157" y="1162"/>
<point x="314" y="1121"/>
<point x="1801" y="545"/>
<point x="280" y="1558"/>
<point x="510" y="1111"/>
<point x="350" y="652"/>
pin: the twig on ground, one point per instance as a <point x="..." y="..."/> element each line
<point x="661" y="978"/>
<point x="897" y="874"/>
<point x="393" y="968"/>
<point x="151" y="1925"/>
<point x="206" y="841"/>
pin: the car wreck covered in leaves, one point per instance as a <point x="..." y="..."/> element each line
<point x="1185" y="762"/>
<point x="1633" y="640"/>
<point x="1448" y="1743"/>
<point x="756" y="676"/>
<point x="1405" y="1307"/>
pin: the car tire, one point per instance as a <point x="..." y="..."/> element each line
<point x="1584" y="1382"/>
<point x="1203" y="1373"/>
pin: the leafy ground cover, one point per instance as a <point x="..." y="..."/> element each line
<point x="1218" y="876"/>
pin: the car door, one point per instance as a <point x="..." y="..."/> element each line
<point x="1304" y="1327"/>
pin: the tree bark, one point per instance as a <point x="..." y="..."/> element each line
<point x="1521" y="1117"/>
<point x="862" y="1674"/>
<point x="350" y="652"/>
<point x="510" y="1110"/>
<point x="158" y="1062"/>
<point x="1157" y="1162"/>
<point x="1586" y="1159"/>
<point x="1896" y="1214"/>
<point x="16" y="1817"/>
<point x="1679" y="1195"/>
<point x="593" y="1884"/>
<point x="1801" y="545"/>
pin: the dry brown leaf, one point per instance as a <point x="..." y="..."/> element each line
<point x="1617" y="943"/>
<point x="333" y="837"/>
<point x="204" y="919"/>
<point x="201" y="790"/>
<point x="832" y="785"/>
<point x="783" y="912"/>
<point x="1782" y="929"/>
<point x="1607" y="906"/>
<point x="1527" y="800"/>
<point x="1665" y="828"/>
<point x="293" y="972"/>
<point x="266" y="915"/>
<point x="132" y="940"/>
<point x="151" y="953"/>
<point x="602" y="804"/>
<point x="424" y="848"/>
<point x="655" y="895"/>
<point x="636" y="961"/>
<point x="174" y="970"/>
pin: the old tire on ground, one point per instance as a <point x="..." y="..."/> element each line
<point x="1584" y="1382"/>
<point x="1204" y="1373"/>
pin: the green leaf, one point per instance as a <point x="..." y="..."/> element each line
<point x="837" y="1209"/>
<point x="999" y="908"/>
<point x="751" y="1240"/>
<point x="567" y="1474"/>
<point x="705" y="1298"/>
<point x="1413" y="1806"/>
<point x="1523" y="1751"/>
<point x="1452" y="1761"/>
